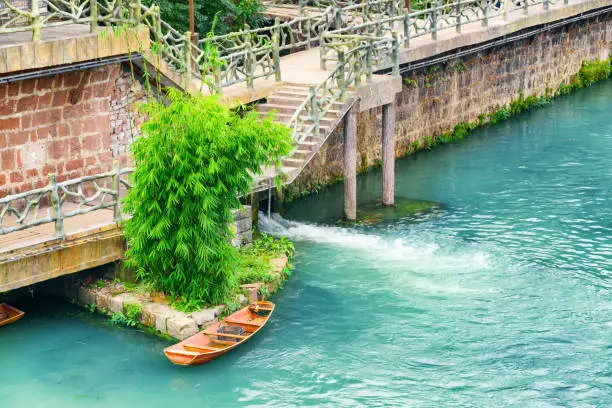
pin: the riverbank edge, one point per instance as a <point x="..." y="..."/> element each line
<point x="126" y="307"/>
<point x="582" y="79"/>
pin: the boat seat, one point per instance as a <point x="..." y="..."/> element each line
<point x="201" y="348"/>
<point x="251" y="323"/>
<point x="214" y="333"/>
<point x="184" y="353"/>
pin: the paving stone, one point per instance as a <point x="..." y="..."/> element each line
<point x="181" y="327"/>
<point x="204" y="316"/>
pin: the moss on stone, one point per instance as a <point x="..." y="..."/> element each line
<point x="374" y="212"/>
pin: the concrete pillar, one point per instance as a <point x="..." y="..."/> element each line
<point x="350" y="163"/>
<point x="388" y="154"/>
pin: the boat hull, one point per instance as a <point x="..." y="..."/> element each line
<point x="13" y="314"/>
<point x="209" y="344"/>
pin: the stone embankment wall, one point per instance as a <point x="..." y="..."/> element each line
<point x="435" y="99"/>
<point x="112" y="297"/>
<point x="71" y="124"/>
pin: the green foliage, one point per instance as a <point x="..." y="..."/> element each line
<point x="120" y="319"/>
<point x="459" y="67"/>
<point x="133" y="311"/>
<point x="231" y="15"/>
<point x="100" y="283"/>
<point x="254" y="261"/>
<point x="195" y="158"/>
<point x="410" y="82"/>
<point x="92" y="308"/>
<point x="414" y="145"/>
<point x="428" y="142"/>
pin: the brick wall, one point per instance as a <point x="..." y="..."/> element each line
<point x="436" y="99"/>
<point x="61" y="124"/>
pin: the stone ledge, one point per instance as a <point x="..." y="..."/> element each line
<point x="67" y="44"/>
<point x="112" y="298"/>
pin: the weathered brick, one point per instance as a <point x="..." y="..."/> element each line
<point x="72" y="79"/>
<point x="32" y="173"/>
<point x="10" y="123"/>
<point x="18" y="138"/>
<point x="75" y="146"/>
<point x="45" y="100"/>
<point x="2" y="181"/>
<point x="45" y="83"/>
<point x="27" y="86"/>
<point x="74" y="164"/>
<point x="91" y="143"/>
<point x="60" y="98"/>
<point x="58" y="149"/>
<point x="7" y="107"/>
<point x="16" y="177"/>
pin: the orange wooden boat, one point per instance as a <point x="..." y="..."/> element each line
<point x="221" y="337"/>
<point x="9" y="314"/>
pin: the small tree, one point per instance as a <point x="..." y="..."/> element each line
<point x="195" y="158"/>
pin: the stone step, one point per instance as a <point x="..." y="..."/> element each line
<point x="293" y="162"/>
<point x="267" y="107"/>
<point x="302" y="153"/>
<point x="285" y="101"/>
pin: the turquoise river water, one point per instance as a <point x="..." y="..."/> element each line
<point x="502" y="298"/>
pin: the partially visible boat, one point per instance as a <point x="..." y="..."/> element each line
<point x="221" y="337"/>
<point x="9" y="314"/>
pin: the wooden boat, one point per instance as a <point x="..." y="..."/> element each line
<point x="9" y="314"/>
<point x="221" y="337"/>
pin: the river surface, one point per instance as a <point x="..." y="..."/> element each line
<point x="500" y="299"/>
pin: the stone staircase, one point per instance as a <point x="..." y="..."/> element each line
<point x="284" y="102"/>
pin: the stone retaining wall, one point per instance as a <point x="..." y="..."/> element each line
<point x="113" y="297"/>
<point x="435" y="99"/>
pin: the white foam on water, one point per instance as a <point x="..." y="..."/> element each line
<point x="420" y="261"/>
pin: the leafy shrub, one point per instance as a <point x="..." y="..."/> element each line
<point x="195" y="158"/>
<point x="120" y="319"/>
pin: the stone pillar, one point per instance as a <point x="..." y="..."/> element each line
<point x="350" y="163"/>
<point x="388" y="154"/>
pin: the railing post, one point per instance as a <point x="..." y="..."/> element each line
<point x="301" y="7"/>
<point x="434" y="21"/>
<point x="187" y="60"/>
<point x="308" y="28"/>
<point x="525" y="6"/>
<point x="406" y="29"/>
<point x="338" y="18"/>
<point x="395" y="55"/>
<point x="117" y="188"/>
<point x="545" y="4"/>
<point x="505" y="5"/>
<point x="458" y="11"/>
<point x="341" y="78"/>
<point x="276" y="51"/>
<point x="35" y="20"/>
<point x="566" y="2"/>
<point x="314" y="110"/>
<point x="248" y="65"/>
<point x="56" y="206"/>
<point x="322" y="51"/>
<point x="485" y="12"/>
<point x="369" y="68"/>
<point x="93" y="11"/>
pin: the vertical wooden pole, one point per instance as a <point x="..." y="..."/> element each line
<point x="191" y="18"/>
<point x="350" y="163"/>
<point x="388" y="154"/>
